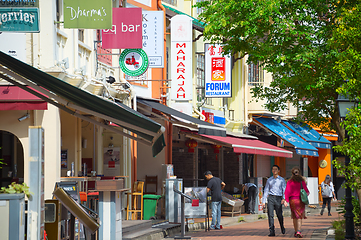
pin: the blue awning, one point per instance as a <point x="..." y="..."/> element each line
<point x="301" y="146"/>
<point x="309" y="134"/>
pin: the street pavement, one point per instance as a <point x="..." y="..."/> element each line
<point x="314" y="227"/>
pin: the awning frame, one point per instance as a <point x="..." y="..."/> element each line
<point x="62" y="104"/>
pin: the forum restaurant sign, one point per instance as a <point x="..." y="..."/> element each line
<point x="19" y="15"/>
<point x="88" y="14"/>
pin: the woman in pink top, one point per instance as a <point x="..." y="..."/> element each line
<point x="293" y="197"/>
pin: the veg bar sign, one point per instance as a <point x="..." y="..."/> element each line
<point x="89" y="14"/>
<point x="19" y="20"/>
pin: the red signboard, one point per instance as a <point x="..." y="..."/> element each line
<point x="126" y="31"/>
<point x="218" y="68"/>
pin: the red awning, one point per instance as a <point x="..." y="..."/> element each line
<point x="15" y="98"/>
<point x="251" y="146"/>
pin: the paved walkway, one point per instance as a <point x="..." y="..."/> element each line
<point x="314" y="227"/>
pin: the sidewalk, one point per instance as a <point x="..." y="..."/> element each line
<point x="314" y="227"/>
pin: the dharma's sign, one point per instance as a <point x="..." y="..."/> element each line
<point x="88" y="14"/>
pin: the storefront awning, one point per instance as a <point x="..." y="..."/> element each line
<point x="81" y="103"/>
<point x="245" y="145"/>
<point x="186" y="120"/>
<point x="301" y="146"/>
<point x="309" y="134"/>
<point x="15" y="98"/>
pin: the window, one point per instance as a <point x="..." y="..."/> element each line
<point x="201" y="80"/>
<point x="255" y="74"/>
<point x="199" y="10"/>
<point x="171" y="2"/>
<point x="81" y="35"/>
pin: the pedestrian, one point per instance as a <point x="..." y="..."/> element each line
<point x="274" y="194"/>
<point x="251" y="190"/>
<point x="215" y="185"/>
<point x="327" y="192"/>
<point x="293" y="197"/>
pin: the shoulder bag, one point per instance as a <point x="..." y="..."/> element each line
<point x="304" y="197"/>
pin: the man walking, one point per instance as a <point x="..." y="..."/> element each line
<point x="251" y="190"/>
<point x="215" y="185"/>
<point x="274" y="192"/>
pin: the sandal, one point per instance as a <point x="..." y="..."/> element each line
<point x="299" y="235"/>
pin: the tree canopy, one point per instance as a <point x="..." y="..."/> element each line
<point x="297" y="41"/>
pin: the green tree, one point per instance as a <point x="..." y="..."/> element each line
<point x="310" y="47"/>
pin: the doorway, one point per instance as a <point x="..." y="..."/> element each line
<point x="12" y="158"/>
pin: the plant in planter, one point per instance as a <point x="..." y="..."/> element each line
<point x="16" y="188"/>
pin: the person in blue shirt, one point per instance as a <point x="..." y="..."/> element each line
<point x="215" y="185"/>
<point x="251" y="190"/>
<point x="274" y="193"/>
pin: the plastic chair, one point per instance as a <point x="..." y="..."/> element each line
<point x="134" y="199"/>
<point x="151" y="180"/>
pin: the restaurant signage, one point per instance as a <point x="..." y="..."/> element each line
<point x="218" y="76"/>
<point x="89" y="14"/>
<point x="133" y="62"/>
<point x="19" y="19"/>
<point x="19" y="3"/>
<point x="153" y="40"/>
<point x="126" y="31"/>
<point x="181" y="58"/>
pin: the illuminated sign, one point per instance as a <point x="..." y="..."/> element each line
<point x="181" y="58"/>
<point x="218" y="72"/>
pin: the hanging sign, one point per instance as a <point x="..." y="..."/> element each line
<point x="19" y="19"/>
<point x="218" y="72"/>
<point x="181" y="58"/>
<point x="153" y="40"/>
<point x="89" y="14"/>
<point x="133" y="62"/>
<point x="126" y="31"/>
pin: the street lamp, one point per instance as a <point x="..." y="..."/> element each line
<point x="344" y="104"/>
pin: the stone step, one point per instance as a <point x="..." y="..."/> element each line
<point x="135" y="225"/>
<point x="155" y="232"/>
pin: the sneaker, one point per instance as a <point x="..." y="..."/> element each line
<point x="283" y="230"/>
<point x="321" y="212"/>
<point x="299" y="235"/>
<point x="329" y="214"/>
<point x="295" y="234"/>
<point x="272" y="234"/>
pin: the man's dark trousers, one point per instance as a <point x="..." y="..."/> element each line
<point x="252" y="195"/>
<point x="274" y="203"/>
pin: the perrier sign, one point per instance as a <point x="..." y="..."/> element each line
<point x="19" y="19"/>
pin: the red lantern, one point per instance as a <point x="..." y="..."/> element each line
<point x="216" y="148"/>
<point x="191" y="144"/>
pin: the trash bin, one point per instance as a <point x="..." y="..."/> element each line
<point x="150" y="205"/>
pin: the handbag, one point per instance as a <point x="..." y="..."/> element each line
<point x="304" y="197"/>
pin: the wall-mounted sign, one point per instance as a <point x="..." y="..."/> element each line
<point x="144" y="2"/>
<point x="19" y="19"/>
<point x="181" y="58"/>
<point x="133" y="62"/>
<point x="126" y="31"/>
<point x="218" y="72"/>
<point x="19" y="3"/>
<point x="153" y="40"/>
<point x="89" y="14"/>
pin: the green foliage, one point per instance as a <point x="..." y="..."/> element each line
<point x="355" y="211"/>
<point x="16" y="188"/>
<point x="241" y="219"/>
<point x="339" y="227"/>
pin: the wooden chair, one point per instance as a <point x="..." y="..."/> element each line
<point x="134" y="199"/>
<point x="153" y="182"/>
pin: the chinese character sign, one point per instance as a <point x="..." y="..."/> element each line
<point x="126" y="30"/>
<point x="218" y="77"/>
<point x="181" y="58"/>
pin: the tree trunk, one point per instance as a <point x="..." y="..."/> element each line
<point x="359" y="196"/>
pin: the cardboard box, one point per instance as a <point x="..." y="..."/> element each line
<point x="109" y="185"/>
